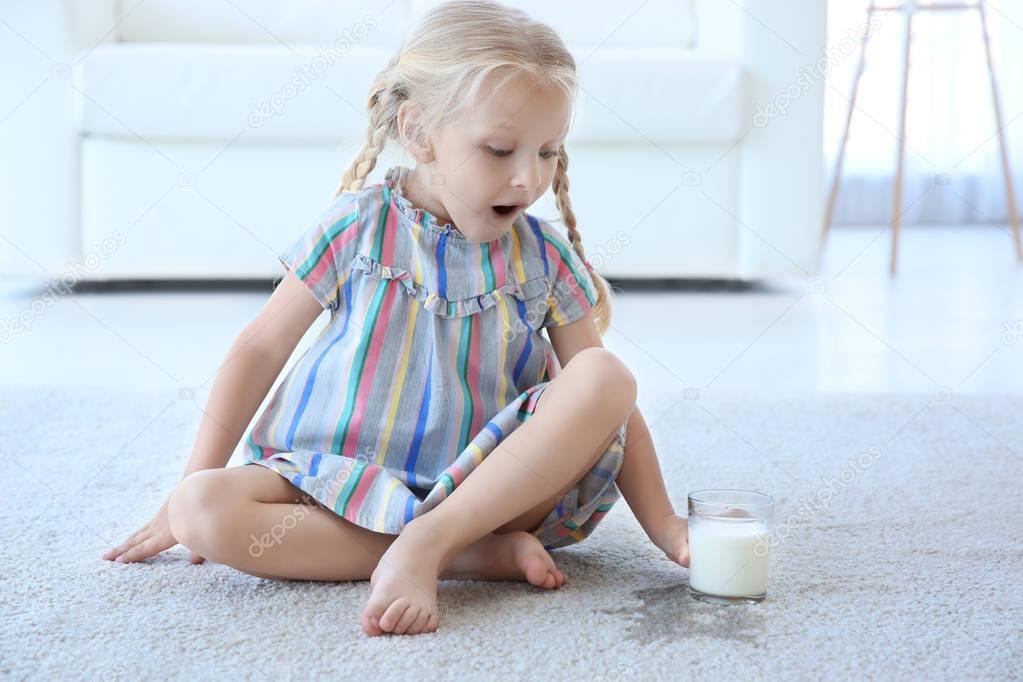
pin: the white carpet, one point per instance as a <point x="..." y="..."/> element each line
<point x="911" y="569"/>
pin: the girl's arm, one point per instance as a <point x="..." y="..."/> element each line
<point x="640" y="478"/>
<point x="253" y="363"/>
<point x="642" y="486"/>
<point x="249" y="371"/>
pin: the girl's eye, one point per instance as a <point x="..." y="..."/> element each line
<point x="502" y="153"/>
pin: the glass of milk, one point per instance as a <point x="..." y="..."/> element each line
<point x="729" y="545"/>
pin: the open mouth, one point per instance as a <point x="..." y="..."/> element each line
<point x="505" y="210"/>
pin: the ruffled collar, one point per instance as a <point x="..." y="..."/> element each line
<point x="424" y="218"/>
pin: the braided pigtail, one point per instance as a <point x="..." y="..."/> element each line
<point x="602" y="308"/>
<point x="384" y="101"/>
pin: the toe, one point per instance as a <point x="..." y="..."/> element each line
<point x="372" y="614"/>
<point x="553" y="578"/>
<point x="371" y="624"/>
<point x="537" y="573"/>
<point x="407" y="620"/>
<point x="420" y="624"/>
<point x="393" y="614"/>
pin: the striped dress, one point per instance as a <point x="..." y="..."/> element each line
<point x="433" y="354"/>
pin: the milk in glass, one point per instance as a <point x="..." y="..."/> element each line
<point x="728" y="556"/>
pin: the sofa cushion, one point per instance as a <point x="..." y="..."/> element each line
<point x="278" y="22"/>
<point x="211" y="91"/>
<point x="215" y="213"/>
<point x="634" y="23"/>
<point x="623" y="23"/>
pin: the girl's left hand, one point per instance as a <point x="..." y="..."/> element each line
<point x="672" y="537"/>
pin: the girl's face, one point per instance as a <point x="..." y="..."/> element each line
<point x="503" y="153"/>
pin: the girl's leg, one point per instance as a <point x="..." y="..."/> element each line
<point x="577" y="415"/>
<point x="253" y="519"/>
<point x="572" y="426"/>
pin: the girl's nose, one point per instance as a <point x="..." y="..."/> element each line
<point x="527" y="175"/>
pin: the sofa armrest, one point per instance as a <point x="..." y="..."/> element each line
<point x="781" y="186"/>
<point x="39" y="134"/>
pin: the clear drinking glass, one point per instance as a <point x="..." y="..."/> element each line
<point x="729" y="545"/>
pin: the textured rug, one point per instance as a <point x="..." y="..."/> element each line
<point x="899" y="555"/>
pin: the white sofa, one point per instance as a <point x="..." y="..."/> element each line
<point x="137" y="143"/>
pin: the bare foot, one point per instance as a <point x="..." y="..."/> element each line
<point x="403" y="598"/>
<point x="510" y="556"/>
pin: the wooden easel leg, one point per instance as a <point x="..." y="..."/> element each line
<point x="1010" y="197"/>
<point x="897" y="208"/>
<point x="833" y="195"/>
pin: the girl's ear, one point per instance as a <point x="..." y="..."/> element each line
<point x="411" y="134"/>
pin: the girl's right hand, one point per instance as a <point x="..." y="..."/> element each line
<point x="149" y="540"/>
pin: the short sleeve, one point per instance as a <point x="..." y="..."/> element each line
<point x="322" y="254"/>
<point x="573" y="293"/>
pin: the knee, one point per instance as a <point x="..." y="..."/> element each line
<point x="192" y="509"/>
<point x="604" y="374"/>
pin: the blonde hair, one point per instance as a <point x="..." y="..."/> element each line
<point x="440" y="68"/>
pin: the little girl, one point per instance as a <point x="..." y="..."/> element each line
<point x="432" y="430"/>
